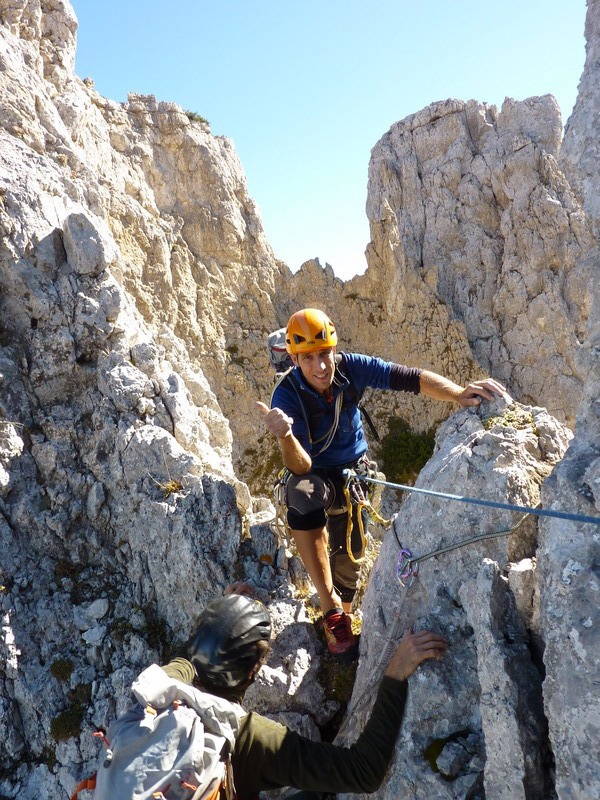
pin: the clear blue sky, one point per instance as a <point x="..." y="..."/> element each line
<point x="306" y="88"/>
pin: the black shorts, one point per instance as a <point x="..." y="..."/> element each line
<point x="316" y="500"/>
<point x="310" y="497"/>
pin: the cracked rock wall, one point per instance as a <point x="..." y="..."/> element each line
<point x="569" y="555"/>
<point x="475" y="721"/>
<point x="193" y="257"/>
<point x="524" y="635"/>
<point x="136" y="292"/>
<point x="455" y="190"/>
<point x="480" y="256"/>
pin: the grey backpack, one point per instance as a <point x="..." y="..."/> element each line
<point x="278" y="354"/>
<point x="175" y="743"/>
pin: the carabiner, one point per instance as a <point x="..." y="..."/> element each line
<point x="347" y="475"/>
<point x="403" y="565"/>
<point x="407" y="571"/>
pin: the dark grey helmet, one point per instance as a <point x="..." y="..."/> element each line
<point x="223" y="648"/>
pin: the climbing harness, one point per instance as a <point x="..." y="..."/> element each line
<point x="356" y="497"/>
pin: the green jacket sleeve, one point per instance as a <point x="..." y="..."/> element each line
<point x="268" y="755"/>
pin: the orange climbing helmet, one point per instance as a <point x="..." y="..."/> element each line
<point x="309" y="329"/>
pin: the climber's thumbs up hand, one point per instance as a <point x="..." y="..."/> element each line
<point x="275" y="421"/>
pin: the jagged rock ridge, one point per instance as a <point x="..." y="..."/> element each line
<point x="136" y="291"/>
<point x="535" y="698"/>
<point x="470" y="212"/>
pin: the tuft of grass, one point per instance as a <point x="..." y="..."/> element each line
<point x="515" y="416"/>
<point x="67" y="723"/>
<point x="61" y="669"/>
<point x="170" y="487"/>
<point x="263" y="470"/>
<point x="121" y="627"/>
<point x="193" y="117"/>
<point x="235" y="356"/>
<point x="48" y="758"/>
<point x="337" y="679"/>
<point x="157" y="633"/>
<point x="403" y="453"/>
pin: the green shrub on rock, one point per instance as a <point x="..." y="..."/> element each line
<point x="403" y="453"/>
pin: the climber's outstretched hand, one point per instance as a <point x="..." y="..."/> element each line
<point x="412" y="651"/>
<point x="486" y="389"/>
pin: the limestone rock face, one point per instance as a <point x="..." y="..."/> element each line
<point x="134" y="278"/>
<point x="480" y="243"/>
<point x="479" y="261"/>
<point x="569" y="619"/>
<point x="136" y="293"/>
<point x="481" y="707"/>
<point x="579" y="150"/>
<point x="532" y="626"/>
<point x="194" y="258"/>
<point x="119" y="512"/>
<point x="193" y="255"/>
<point x="569" y="555"/>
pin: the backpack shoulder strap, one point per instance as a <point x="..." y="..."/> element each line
<point x="354" y="396"/>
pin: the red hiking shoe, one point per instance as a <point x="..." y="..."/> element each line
<point x="337" y="627"/>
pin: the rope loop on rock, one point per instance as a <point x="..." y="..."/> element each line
<point x="407" y="567"/>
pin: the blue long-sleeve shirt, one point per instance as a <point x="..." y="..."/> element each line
<point x="349" y="442"/>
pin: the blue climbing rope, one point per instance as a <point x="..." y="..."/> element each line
<point x="540" y="512"/>
<point x="407" y="567"/>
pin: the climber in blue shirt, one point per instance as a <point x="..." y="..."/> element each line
<point x="315" y="416"/>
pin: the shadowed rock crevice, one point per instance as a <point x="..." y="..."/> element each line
<point x="515" y="685"/>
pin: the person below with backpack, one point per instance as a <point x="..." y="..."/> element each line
<point x="223" y="657"/>
<point x="316" y="418"/>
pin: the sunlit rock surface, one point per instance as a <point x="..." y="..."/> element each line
<point x="137" y="289"/>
